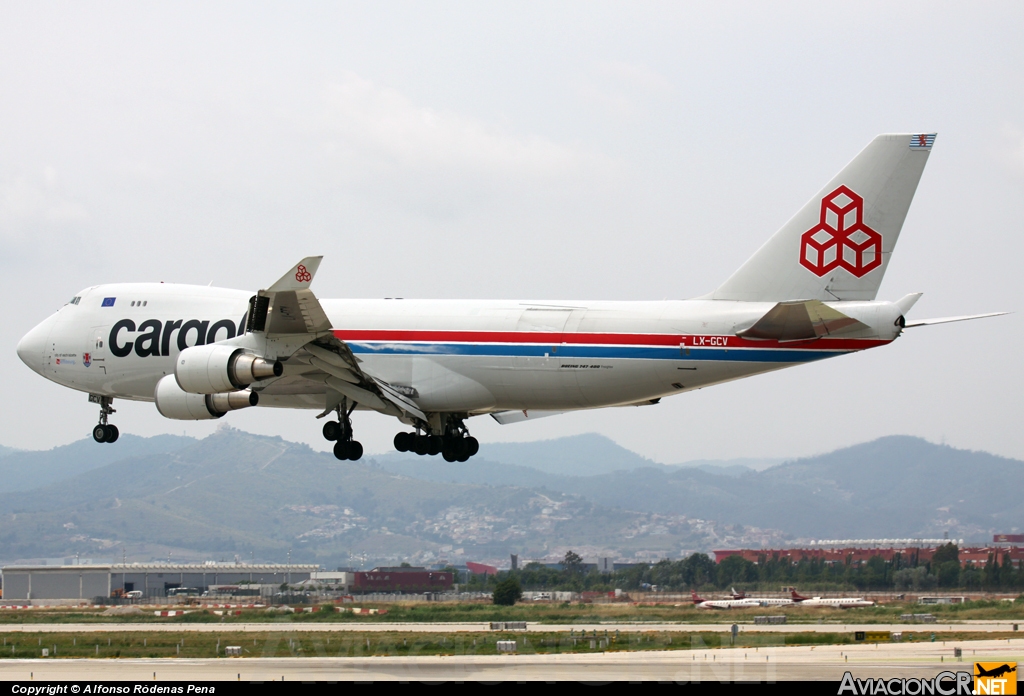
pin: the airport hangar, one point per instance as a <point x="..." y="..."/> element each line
<point x="86" y="582"/>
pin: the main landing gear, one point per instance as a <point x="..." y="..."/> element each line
<point x="104" y="432"/>
<point x="340" y="432"/>
<point x="456" y="445"/>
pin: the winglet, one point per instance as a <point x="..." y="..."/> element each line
<point x="299" y="277"/>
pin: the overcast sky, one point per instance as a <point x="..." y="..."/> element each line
<point x="584" y="150"/>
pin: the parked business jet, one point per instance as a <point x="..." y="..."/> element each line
<point x="840" y="602"/>
<point x="199" y="352"/>
<point x="702" y="603"/>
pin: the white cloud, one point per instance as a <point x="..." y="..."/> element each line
<point x="636" y="75"/>
<point x="24" y="198"/>
<point x="1013" y="154"/>
<point x="623" y="88"/>
<point x="384" y="130"/>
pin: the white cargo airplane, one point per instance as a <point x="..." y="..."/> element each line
<point x="199" y="352"/>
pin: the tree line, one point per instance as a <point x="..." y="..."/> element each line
<point x="699" y="572"/>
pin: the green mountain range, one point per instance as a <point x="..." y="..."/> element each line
<point x="250" y="496"/>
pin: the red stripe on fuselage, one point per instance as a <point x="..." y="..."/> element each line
<point x="601" y="339"/>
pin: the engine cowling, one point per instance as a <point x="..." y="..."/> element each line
<point x="173" y="402"/>
<point x="214" y="369"/>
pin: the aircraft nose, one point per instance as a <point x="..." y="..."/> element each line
<point x="32" y="345"/>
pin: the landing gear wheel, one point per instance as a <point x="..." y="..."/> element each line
<point x="355" y="450"/>
<point x="403" y="441"/>
<point x="332" y="430"/>
<point x="104" y="432"/>
<point x="421" y="445"/>
<point x="351" y="450"/>
<point x="435" y="443"/>
<point x="458" y="445"/>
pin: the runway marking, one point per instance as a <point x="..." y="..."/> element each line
<point x="782" y="664"/>
<point x="482" y="627"/>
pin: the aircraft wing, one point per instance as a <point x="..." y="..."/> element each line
<point x="296" y="330"/>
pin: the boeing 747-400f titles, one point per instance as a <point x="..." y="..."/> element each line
<point x="199" y="352"/>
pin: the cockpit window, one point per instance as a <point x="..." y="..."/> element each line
<point x="75" y="300"/>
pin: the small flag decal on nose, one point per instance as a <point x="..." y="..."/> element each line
<point x="108" y="302"/>
<point x="922" y="141"/>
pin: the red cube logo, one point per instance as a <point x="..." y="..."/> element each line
<point x="841" y="239"/>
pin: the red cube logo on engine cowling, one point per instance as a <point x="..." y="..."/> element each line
<point x="841" y="239"/>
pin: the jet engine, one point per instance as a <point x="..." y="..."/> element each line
<point x="174" y="403"/>
<point x="214" y="369"/>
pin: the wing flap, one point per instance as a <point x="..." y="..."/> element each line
<point x="509" y="417"/>
<point x="357" y="394"/>
<point x="404" y="403"/>
<point x="335" y="370"/>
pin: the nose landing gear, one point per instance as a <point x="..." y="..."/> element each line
<point x="104" y="432"/>
<point x="340" y="432"/>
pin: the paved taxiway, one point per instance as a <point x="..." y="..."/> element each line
<point x="311" y="627"/>
<point x="767" y="664"/>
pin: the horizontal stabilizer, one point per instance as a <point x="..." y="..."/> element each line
<point x="947" y="320"/>
<point x="800" y="321"/>
<point x="508" y="417"/>
<point x="907" y="302"/>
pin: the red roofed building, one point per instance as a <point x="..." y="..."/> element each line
<point x="481" y="568"/>
<point x="978" y="555"/>
<point x="402" y="580"/>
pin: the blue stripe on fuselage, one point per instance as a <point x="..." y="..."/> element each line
<point x="608" y="352"/>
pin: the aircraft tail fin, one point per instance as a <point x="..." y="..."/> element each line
<point x="796" y="597"/>
<point x="838" y="245"/>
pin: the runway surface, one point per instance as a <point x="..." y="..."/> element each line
<point x="310" y="627"/>
<point x="743" y="664"/>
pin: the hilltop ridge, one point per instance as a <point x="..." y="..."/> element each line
<point x="235" y="493"/>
